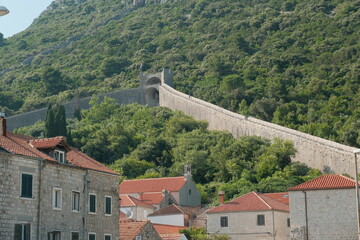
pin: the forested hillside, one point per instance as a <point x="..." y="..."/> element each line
<point x="295" y="63"/>
<point x="142" y="142"/>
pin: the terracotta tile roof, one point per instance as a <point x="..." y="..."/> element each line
<point x="174" y="209"/>
<point x="325" y="182"/>
<point x="172" y="184"/>
<point x="167" y="229"/>
<point x="80" y="159"/>
<point x="173" y="236"/>
<point x="26" y="146"/>
<point x="153" y="198"/>
<point x="281" y="197"/>
<point x="44" y="143"/>
<point x="128" y="230"/>
<point x="129" y="201"/>
<point x="251" y="202"/>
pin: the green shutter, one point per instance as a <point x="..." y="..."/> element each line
<point x="17" y="232"/>
<point x="26" y="185"/>
<point x="92" y="203"/>
<point x="108" y="205"/>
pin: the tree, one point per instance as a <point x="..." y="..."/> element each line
<point x="55" y="121"/>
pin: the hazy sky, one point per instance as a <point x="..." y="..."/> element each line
<point x="22" y="14"/>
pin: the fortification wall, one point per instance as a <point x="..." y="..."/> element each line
<point x="313" y="151"/>
<point x="135" y="95"/>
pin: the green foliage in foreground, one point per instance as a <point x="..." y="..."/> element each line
<point x="295" y="63"/>
<point x="141" y="142"/>
<point x="200" y="234"/>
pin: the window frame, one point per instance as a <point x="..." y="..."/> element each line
<point x="23" y="235"/>
<point x="91" y="233"/>
<point x="51" y="235"/>
<point x="92" y="212"/>
<point x="60" y="153"/>
<point x="107" y="235"/>
<point x="73" y="209"/>
<point x="224" y="221"/>
<point x="54" y="199"/>
<point x="23" y="193"/>
<point x="260" y="220"/>
<point x="105" y="205"/>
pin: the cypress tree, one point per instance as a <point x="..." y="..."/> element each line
<point x="60" y="120"/>
<point x="49" y="122"/>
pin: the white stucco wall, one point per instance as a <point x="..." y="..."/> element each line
<point x="331" y="214"/>
<point x="243" y="225"/>
<point x="175" y="219"/>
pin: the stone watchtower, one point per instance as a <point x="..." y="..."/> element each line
<point x="149" y="83"/>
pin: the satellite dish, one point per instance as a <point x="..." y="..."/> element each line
<point x="3" y="11"/>
<point x="129" y="213"/>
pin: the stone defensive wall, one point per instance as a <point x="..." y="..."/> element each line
<point x="315" y="152"/>
<point x="128" y="96"/>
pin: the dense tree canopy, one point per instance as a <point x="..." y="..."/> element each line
<point x="140" y="141"/>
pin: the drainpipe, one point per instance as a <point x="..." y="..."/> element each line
<point x="273" y="217"/>
<point x="86" y="195"/>
<point x="41" y="167"/>
<point x="306" y="217"/>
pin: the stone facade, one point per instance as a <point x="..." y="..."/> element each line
<point x="243" y="225"/>
<point x="323" y="214"/>
<point x="67" y="179"/>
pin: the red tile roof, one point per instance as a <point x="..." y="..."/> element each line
<point x="251" y="202"/>
<point x="153" y="198"/>
<point x="44" y="143"/>
<point x="173" y="236"/>
<point x="26" y="146"/>
<point x="167" y="229"/>
<point x="281" y="197"/>
<point x="325" y="182"/>
<point x="152" y="185"/>
<point x="128" y="230"/>
<point x="173" y="209"/>
<point x="129" y="201"/>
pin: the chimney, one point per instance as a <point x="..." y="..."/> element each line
<point x="2" y="124"/>
<point x="221" y="197"/>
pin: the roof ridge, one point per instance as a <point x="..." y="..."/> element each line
<point x="179" y="208"/>
<point x="23" y="147"/>
<point x="128" y="180"/>
<point x="130" y="198"/>
<point x="262" y="200"/>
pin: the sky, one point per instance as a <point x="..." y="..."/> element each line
<point x="22" y="14"/>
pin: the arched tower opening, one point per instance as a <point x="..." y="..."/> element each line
<point x="153" y="81"/>
<point x="152" y="97"/>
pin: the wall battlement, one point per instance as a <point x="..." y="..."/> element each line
<point x="156" y="90"/>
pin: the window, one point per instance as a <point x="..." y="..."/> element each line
<point x="75" y="236"/>
<point x="60" y="156"/>
<point x="92" y="236"/>
<point x="26" y="185"/>
<point x="57" y="198"/>
<point x="56" y="235"/>
<point x="107" y="237"/>
<point x="75" y="201"/>
<point x="223" y="221"/>
<point x="92" y="203"/>
<point x="22" y="231"/>
<point x="107" y="205"/>
<point x="189" y="191"/>
<point x="288" y="222"/>
<point x="260" y="220"/>
<point x="138" y="238"/>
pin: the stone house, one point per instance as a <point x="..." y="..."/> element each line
<point x="252" y="216"/>
<point x="324" y="208"/>
<point x="50" y="190"/>
<point x="134" y="208"/>
<point x="162" y="192"/>
<point x="173" y="215"/>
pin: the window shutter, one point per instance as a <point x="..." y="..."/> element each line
<point x="26" y="185"/>
<point x="18" y="232"/>
<point x="108" y="205"/>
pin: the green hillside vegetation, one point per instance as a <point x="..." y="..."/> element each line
<point x="142" y="142"/>
<point x="295" y="63"/>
